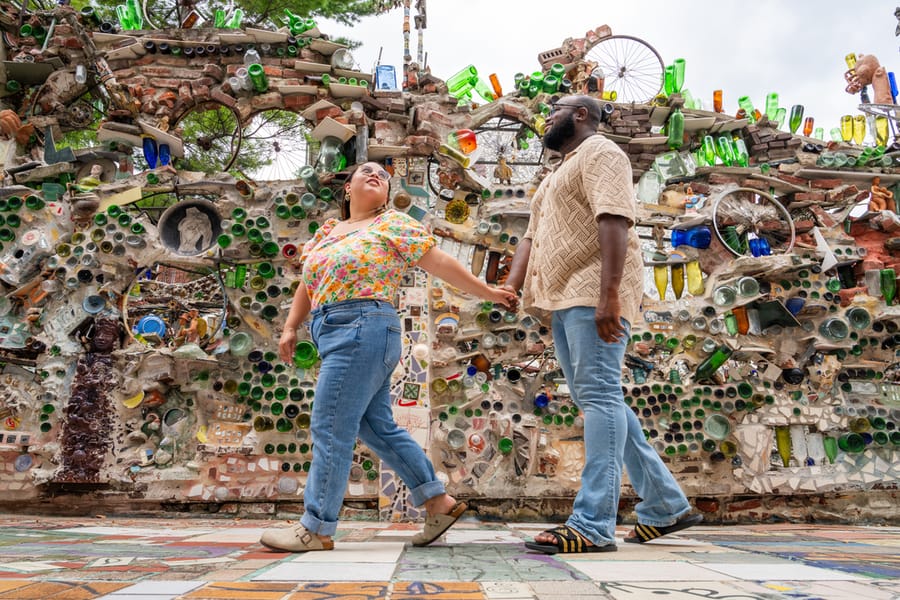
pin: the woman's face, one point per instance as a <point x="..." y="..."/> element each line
<point x="368" y="186"/>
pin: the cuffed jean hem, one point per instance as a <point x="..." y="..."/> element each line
<point x="654" y="523"/>
<point x="317" y="526"/>
<point x="426" y="491"/>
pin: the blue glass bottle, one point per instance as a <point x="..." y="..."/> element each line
<point x="697" y="237"/>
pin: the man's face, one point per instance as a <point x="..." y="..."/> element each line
<point x="560" y="126"/>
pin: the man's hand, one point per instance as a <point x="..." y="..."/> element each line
<point x="608" y="318"/>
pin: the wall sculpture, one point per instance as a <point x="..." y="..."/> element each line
<point x="138" y="338"/>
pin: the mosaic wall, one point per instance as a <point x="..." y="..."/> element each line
<point x="138" y="341"/>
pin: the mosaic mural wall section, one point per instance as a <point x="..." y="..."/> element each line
<point x="137" y="340"/>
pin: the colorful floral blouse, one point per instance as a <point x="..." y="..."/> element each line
<point x="367" y="263"/>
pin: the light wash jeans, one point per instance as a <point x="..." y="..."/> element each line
<point x="359" y="342"/>
<point x="612" y="433"/>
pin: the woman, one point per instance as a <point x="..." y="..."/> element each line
<point x="351" y="271"/>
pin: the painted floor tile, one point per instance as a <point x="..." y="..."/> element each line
<point x="362" y="590"/>
<point x="328" y="572"/>
<point x="443" y="590"/>
<point x="778" y="572"/>
<point x="240" y="590"/>
<point x="610" y="570"/>
<point x="690" y="590"/>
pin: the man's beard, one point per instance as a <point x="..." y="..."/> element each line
<point x="560" y="133"/>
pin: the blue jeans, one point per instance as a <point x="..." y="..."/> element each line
<point x="359" y="342"/>
<point x="612" y="433"/>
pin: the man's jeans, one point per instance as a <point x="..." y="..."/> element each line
<point x="612" y="433"/>
<point x="359" y="342"/>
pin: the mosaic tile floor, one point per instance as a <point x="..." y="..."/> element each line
<point x="204" y="559"/>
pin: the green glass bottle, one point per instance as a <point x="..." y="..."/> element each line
<point x="772" y="105"/>
<point x="747" y="105"/>
<point x="724" y="150"/>
<point x="742" y="157"/>
<point x="258" y="78"/>
<point x="675" y="129"/>
<point x="888" y="285"/>
<point x="852" y="443"/>
<point x="712" y="363"/>
<point x="305" y="354"/>
<point x="709" y="150"/>
<point x="796" y="117"/>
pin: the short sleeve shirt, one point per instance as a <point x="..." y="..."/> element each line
<point x="566" y="253"/>
<point x="367" y="263"/>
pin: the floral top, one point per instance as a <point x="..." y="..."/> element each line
<point x="367" y="263"/>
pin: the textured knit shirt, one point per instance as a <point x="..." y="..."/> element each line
<point x="566" y="253"/>
<point x="367" y="263"/>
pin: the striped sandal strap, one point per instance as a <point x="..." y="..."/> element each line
<point x="647" y="532"/>
<point x="567" y="539"/>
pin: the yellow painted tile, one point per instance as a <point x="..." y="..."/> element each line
<point x="88" y="590"/>
<point x="437" y="590"/>
<point x="241" y="590"/>
<point x="345" y="590"/>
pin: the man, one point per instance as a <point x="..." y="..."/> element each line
<point x="580" y="260"/>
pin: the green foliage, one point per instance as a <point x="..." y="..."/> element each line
<point x="258" y="13"/>
<point x="210" y="139"/>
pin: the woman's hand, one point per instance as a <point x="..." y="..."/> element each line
<point x="504" y="296"/>
<point x="286" y="345"/>
<point x="514" y="306"/>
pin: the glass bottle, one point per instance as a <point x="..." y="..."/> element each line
<point x="678" y="280"/>
<point x="717" y="101"/>
<point x="747" y="106"/>
<point x="675" y="129"/>
<point x="846" y="128"/>
<point x="696" y="237"/>
<point x="711" y="364"/>
<point x="462" y="80"/>
<point x="834" y="329"/>
<point x="881" y="131"/>
<point x="808" y="125"/>
<point x="831" y="448"/>
<point x="742" y="319"/>
<point x="780" y="115"/>
<point x="725" y="150"/>
<point x="852" y="443"/>
<point x="708" y="149"/>
<point x="783" y="444"/>
<point x="678" y="66"/>
<point x="258" y="77"/>
<point x="815" y="447"/>
<point x="888" y="285"/>
<point x="798" y="443"/>
<point x="724" y="295"/>
<point x="858" y="317"/>
<point x="661" y="279"/>
<point x="669" y="80"/>
<point x="695" y="278"/>
<point x="772" y="105"/>
<point x="305" y="354"/>
<point x="742" y="157"/>
<point x="859" y="129"/>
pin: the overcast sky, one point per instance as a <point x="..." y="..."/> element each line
<point x="795" y="48"/>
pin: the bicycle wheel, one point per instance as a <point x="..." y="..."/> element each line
<point x="274" y="146"/>
<point x="631" y="67"/>
<point x="211" y="133"/>
<point x="740" y="212"/>
<point x="502" y="138"/>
